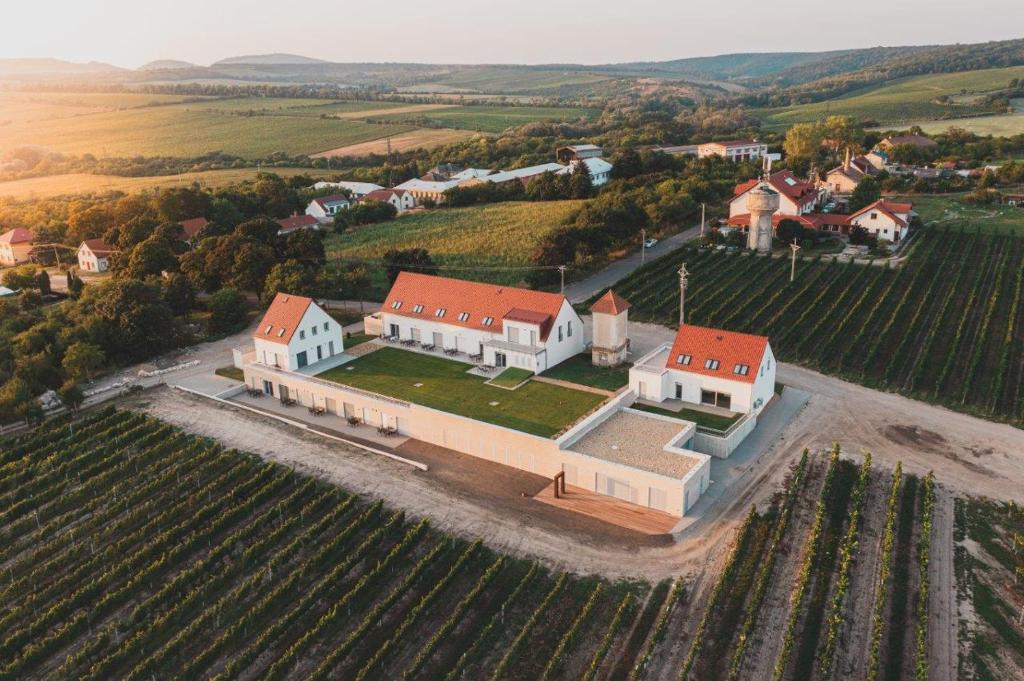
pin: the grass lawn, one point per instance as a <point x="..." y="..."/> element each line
<point x="354" y="339"/>
<point x="510" y="378"/>
<point x="950" y="210"/>
<point x="579" y="369"/>
<point x="537" y="408"/>
<point x="699" y="417"/>
<point x="232" y="372"/>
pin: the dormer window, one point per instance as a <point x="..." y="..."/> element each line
<point x="741" y="369"/>
<point x="280" y="333"/>
<point x="488" y="321"/>
<point x="711" y="364"/>
<point x="266" y="331"/>
<point x="417" y="308"/>
<point x="440" y="312"/>
<point x="684" y="359"/>
<point x="397" y="304"/>
<point x="463" y="316"/>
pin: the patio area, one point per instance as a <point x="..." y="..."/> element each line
<point x="609" y="509"/>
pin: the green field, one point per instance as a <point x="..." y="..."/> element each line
<point x="1005" y="125"/>
<point x="900" y="102"/>
<point x="470" y="241"/>
<point x="505" y="80"/>
<point x="947" y="327"/>
<point x="580" y="369"/>
<point x="19" y="107"/>
<point x="490" y="118"/>
<point x="950" y="210"/>
<point x="536" y="408"/>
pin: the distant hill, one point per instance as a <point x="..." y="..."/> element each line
<point x="46" y="66"/>
<point x="268" y="59"/>
<point x="166" y="65"/>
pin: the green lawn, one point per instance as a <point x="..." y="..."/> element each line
<point x="950" y="210"/>
<point x="536" y="408"/>
<point x="510" y="378"/>
<point x="699" y="417"/>
<point x="354" y="339"/>
<point x="580" y="369"/>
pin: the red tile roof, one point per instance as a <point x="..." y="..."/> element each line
<point x="193" y="226"/>
<point x="787" y="184"/>
<point x="729" y="348"/>
<point x="98" y="246"/>
<point x="610" y="303"/>
<point x="809" y="220"/>
<point x="296" y="222"/>
<point x="18" y="235"/>
<point x="890" y="208"/>
<point x="282" y="318"/>
<point x="456" y="296"/>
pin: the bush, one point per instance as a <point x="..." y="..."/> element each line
<point x="227" y="311"/>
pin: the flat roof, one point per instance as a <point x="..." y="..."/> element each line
<point x="637" y="441"/>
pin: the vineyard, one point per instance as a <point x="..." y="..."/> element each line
<point x="946" y="327"/>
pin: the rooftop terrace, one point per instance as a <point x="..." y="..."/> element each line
<point x="638" y="441"/>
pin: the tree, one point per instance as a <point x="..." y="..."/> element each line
<point x="581" y="184"/>
<point x="357" y="280"/>
<point x="251" y="263"/>
<point x="865" y="193"/>
<point x="860" y="236"/>
<point x="22" y="277"/>
<point x="627" y="163"/>
<point x="178" y="294"/>
<point x="803" y="142"/>
<point x="364" y="213"/>
<point x="43" y="282"/>
<point x="71" y="395"/>
<point x="988" y="180"/>
<point x="789" y="231"/>
<point x="132" y="321"/>
<point x="307" y="247"/>
<point x="409" y="260"/>
<point x="227" y="311"/>
<point x="262" y="230"/>
<point x="75" y="284"/>
<point x="149" y="259"/>
<point x="82" y="360"/>
<point x="290" y="276"/>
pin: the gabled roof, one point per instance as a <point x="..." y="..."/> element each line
<point x="785" y="183"/>
<point x="384" y="194"/>
<point x="282" y="318"/>
<point x="851" y="171"/>
<point x="98" y="246"/>
<point x="354" y="187"/>
<point x="193" y="226"/>
<point x="809" y="220"/>
<point x="610" y="303"/>
<point x="890" y="208"/>
<point x="417" y="184"/>
<point x="596" y="166"/>
<point x="296" y="222"/>
<point x="582" y="147"/>
<point x="18" y="235"/>
<point x="480" y="301"/>
<point x="323" y="201"/>
<point x="728" y="348"/>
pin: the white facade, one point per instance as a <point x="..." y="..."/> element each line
<point x="401" y="200"/>
<point x="745" y="150"/>
<point x="90" y="261"/>
<point x="316" y="337"/>
<point x="600" y="170"/>
<point x="883" y="223"/>
<point x="324" y="210"/>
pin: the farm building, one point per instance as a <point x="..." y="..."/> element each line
<point x="355" y="189"/>
<point x="796" y="197"/>
<point x="297" y="222"/>
<point x="578" y="152"/>
<point x="295" y="333"/>
<point x="919" y="141"/>
<point x="427" y="190"/>
<point x="885" y="219"/>
<point x="600" y="170"/>
<point x="502" y="325"/>
<point x="94" y="255"/>
<point x="324" y="208"/>
<point x="15" y="246"/>
<point x="399" y="198"/>
<point x="733" y="150"/>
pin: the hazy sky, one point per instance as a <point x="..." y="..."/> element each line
<point x="131" y="32"/>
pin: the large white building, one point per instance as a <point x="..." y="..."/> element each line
<point x="295" y="333"/>
<point x="356" y="189"/>
<point x="885" y="219"/>
<point x="505" y="326"/>
<point x="709" y="367"/>
<point x="733" y="150"/>
<point x="399" y="198"/>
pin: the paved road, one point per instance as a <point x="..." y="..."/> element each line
<point x="610" y="275"/>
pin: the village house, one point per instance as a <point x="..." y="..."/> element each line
<point x="94" y="255"/>
<point x="399" y="198"/>
<point x="356" y="189"/>
<point x="427" y="190"/>
<point x="297" y="222"/>
<point x="845" y="178"/>
<point x="324" y="208"/>
<point x="733" y="150"/>
<point x="578" y="152"/>
<point x="919" y="141"/>
<point x="296" y="333"/>
<point x="191" y="228"/>
<point x="885" y="219"/>
<point x="502" y="325"/>
<point x="726" y="370"/>
<point x="820" y="222"/>
<point x="796" y="197"/>
<point x="15" y="246"/>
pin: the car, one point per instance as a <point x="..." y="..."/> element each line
<point x="650" y="243"/>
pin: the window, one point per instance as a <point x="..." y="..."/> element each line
<point x="417" y="308"/>
<point x="440" y="312"/>
<point x="302" y="335"/>
<point x="266" y="331"/>
<point x="327" y="325"/>
<point x="488" y="321"/>
<point x="741" y="369"/>
<point x="463" y="316"/>
<point x="314" y="330"/>
<point x="568" y="328"/>
<point x="874" y="216"/>
<point x="397" y="304"/>
<point x="711" y="364"/>
<point x="559" y="333"/>
<point x="280" y="333"/>
<point x="683" y="359"/>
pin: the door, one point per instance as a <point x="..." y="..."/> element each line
<point x="438" y="339"/>
<point x="268" y="388"/>
<point x="282" y="390"/>
<point x="301" y="359"/>
<point x="679" y="391"/>
<point x="394" y="330"/>
<point x="331" y="405"/>
<point x="416" y="334"/>
<point x="500" y="360"/>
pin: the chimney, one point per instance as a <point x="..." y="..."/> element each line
<point x="846" y="163"/>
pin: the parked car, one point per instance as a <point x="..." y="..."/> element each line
<point x="650" y="243"/>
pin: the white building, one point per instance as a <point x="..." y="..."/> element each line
<point x="504" y="326"/>
<point x="356" y="189"/>
<point x="600" y="170"/>
<point x="610" y="321"/>
<point x="94" y="255"/>
<point x="295" y="333"/>
<point x="733" y="150"/>
<point x="15" y="246"/>
<point x="885" y="219"/>
<point x="325" y="208"/>
<point x="427" y="190"/>
<point x="710" y="367"/>
<point x="399" y="198"/>
<point x="796" y="197"/>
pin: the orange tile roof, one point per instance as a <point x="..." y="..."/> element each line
<point x="811" y="220"/>
<point x="889" y="208"/>
<point x="192" y="227"/>
<point x="786" y="183"/>
<point x="729" y="348"/>
<point x="480" y="301"/>
<point x="18" y="235"/>
<point x="282" y="318"/>
<point x="610" y="303"/>
<point x="297" y="222"/>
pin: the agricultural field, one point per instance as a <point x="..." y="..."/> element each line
<point x="21" y="107"/>
<point x="949" y="210"/>
<point x="903" y="101"/>
<point x="133" y="550"/>
<point x="488" y="118"/>
<point x="997" y="126"/>
<point x="510" y="80"/>
<point x="493" y="243"/>
<point x="421" y="138"/>
<point x="947" y="327"/>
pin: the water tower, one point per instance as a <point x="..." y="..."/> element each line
<point x="611" y="323"/>
<point x="762" y="202"/>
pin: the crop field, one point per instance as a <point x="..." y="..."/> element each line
<point x="20" y="107"/>
<point x="502" y="80"/>
<point x="489" y="118"/>
<point x="421" y="138"/>
<point x="997" y="126"/>
<point x="493" y="243"/>
<point x="949" y="210"/>
<point x="947" y="327"/>
<point x="133" y="550"/>
<point x="902" y="101"/>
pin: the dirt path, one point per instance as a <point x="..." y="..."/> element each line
<point x="943" y="642"/>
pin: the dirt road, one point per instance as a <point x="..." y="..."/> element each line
<point x="943" y="616"/>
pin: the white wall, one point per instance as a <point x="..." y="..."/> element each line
<point x="881" y="225"/>
<point x="287" y="355"/>
<point x="90" y="262"/>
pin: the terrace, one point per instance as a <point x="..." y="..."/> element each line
<point x="536" y="408"/>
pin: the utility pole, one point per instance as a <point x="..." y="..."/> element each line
<point x="702" y="219"/>
<point x="792" y="268"/>
<point x="643" y="246"/>
<point x="683" y="274"/>
<point x="561" y="272"/>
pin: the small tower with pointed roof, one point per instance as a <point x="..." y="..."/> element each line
<point x="610" y="324"/>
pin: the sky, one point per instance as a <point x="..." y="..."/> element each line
<point x="129" y="33"/>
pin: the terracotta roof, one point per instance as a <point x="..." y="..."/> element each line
<point x="98" y="246"/>
<point x="728" y="348"/>
<point x="787" y="184"/>
<point x="322" y="201"/>
<point x="282" y="318"/>
<point x="610" y="303"/>
<point x="480" y="301"/>
<point x="852" y="172"/>
<point x="890" y="208"/>
<point x="809" y="220"/>
<point x="18" y="235"/>
<point x="384" y="194"/>
<point x="193" y="226"/>
<point x="297" y="222"/>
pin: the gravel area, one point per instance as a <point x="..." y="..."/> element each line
<point x="638" y="441"/>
